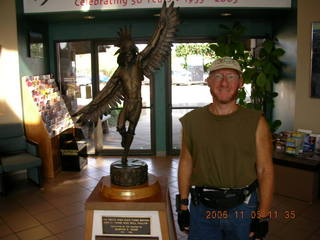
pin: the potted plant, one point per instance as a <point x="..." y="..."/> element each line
<point x="261" y="68"/>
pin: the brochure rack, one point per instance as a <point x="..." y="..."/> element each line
<point x="45" y="117"/>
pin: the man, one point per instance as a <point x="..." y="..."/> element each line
<point x="226" y="149"/>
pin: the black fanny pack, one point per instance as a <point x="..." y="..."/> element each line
<point x="221" y="199"/>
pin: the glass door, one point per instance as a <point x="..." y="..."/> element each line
<point x="83" y="69"/>
<point x="75" y="73"/>
<point x="188" y="89"/>
<point x="111" y="139"/>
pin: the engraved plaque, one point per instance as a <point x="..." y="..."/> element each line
<point x="125" y="238"/>
<point x="126" y="225"/>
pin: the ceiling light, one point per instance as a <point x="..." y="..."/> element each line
<point x="89" y="17"/>
<point x="225" y="14"/>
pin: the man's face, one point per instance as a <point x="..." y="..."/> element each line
<point x="224" y="85"/>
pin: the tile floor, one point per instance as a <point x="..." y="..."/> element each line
<point x="57" y="210"/>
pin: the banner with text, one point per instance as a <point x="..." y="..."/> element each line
<point x="42" y="6"/>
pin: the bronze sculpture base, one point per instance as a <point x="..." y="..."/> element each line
<point x="134" y="173"/>
<point x="147" y="190"/>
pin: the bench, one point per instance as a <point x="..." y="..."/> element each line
<point x="16" y="154"/>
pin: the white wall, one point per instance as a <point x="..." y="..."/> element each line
<point x="10" y="92"/>
<point x="307" y="110"/>
<point x="284" y="110"/>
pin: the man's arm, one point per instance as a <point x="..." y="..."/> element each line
<point x="184" y="172"/>
<point x="265" y="169"/>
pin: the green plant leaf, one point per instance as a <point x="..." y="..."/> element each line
<point x="247" y="76"/>
<point x="274" y="125"/>
<point x="240" y="48"/>
<point x="250" y="105"/>
<point x="261" y="80"/>
<point x="242" y="94"/>
<point x="268" y="45"/>
<point x="268" y="85"/>
<point x="261" y="71"/>
<point x="213" y="46"/>
<point x="271" y="69"/>
<point x="257" y="64"/>
<point x="278" y="52"/>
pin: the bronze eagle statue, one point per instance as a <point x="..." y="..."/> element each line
<point x="125" y="83"/>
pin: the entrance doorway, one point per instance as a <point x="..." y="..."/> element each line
<point x="84" y="68"/>
<point x="188" y="89"/>
<point x="142" y="143"/>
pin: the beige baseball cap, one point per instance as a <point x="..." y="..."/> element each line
<point x="225" y="62"/>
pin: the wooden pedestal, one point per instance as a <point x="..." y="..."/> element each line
<point x="151" y="188"/>
<point x="141" y="219"/>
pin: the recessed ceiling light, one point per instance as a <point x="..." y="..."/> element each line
<point x="225" y="14"/>
<point x="89" y="17"/>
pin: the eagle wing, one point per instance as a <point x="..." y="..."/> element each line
<point x="160" y="43"/>
<point x="110" y="96"/>
<point x="151" y="58"/>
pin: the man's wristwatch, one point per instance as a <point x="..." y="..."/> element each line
<point x="184" y="201"/>
<point x="180" y="202"/>
<point x="183" y="215"/>
<point x="264" y="219"/>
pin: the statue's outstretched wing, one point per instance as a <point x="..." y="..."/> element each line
<point x="160" y="43"/>
<point x="110" y="96"/>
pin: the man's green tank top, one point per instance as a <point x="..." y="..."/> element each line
<point x="223" y="147"/>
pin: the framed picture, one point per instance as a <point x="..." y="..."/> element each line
<point x="315" y="60"/>
<point x="35" y="48"/>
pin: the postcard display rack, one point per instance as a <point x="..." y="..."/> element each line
<point x="45" y="117"/>
<point x="123" y="213"/>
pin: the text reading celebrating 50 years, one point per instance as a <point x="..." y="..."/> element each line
<point x="81" y="3"/>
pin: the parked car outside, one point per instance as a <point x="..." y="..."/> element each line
<point x="181" y="77"/>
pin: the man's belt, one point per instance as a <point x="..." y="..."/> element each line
<point x="250" y="188"/>
<point x="221" y="198"/>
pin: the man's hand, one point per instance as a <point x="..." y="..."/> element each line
<point x="184" y="220"/>
<point x="258" y="229"/>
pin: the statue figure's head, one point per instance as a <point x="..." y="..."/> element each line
<point x="127" y="49"/>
